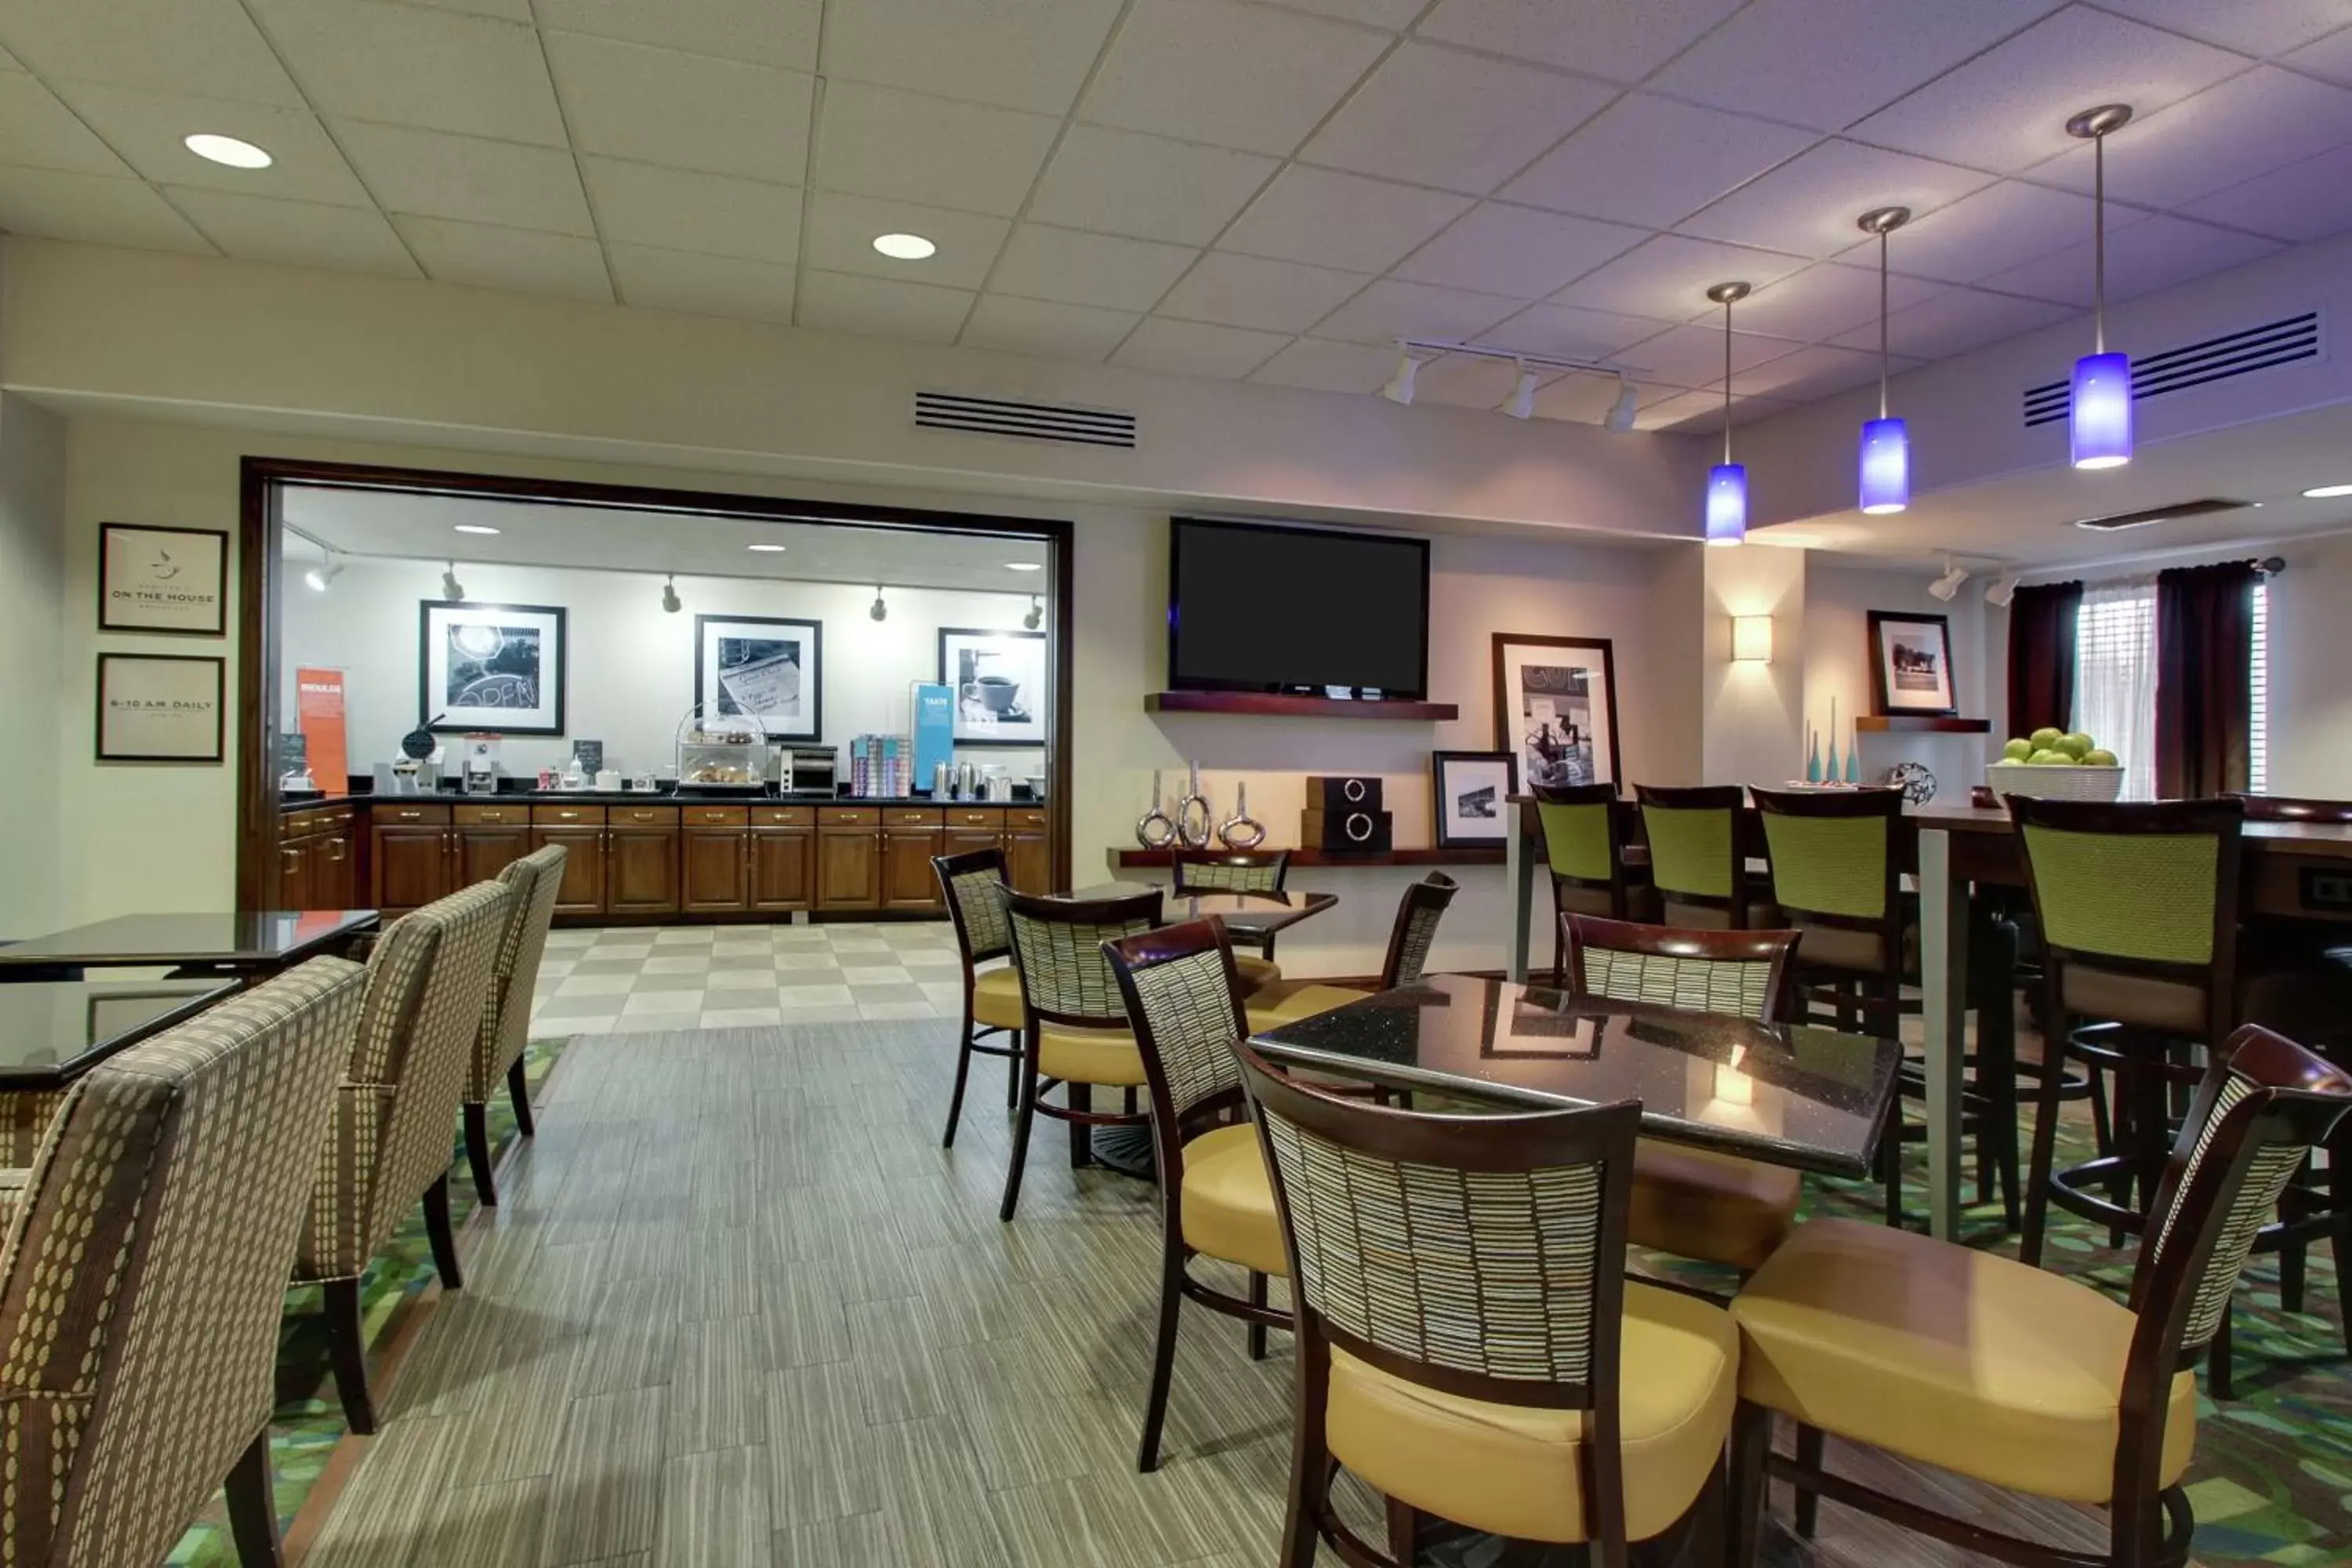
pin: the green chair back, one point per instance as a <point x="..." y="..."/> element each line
<point x="1693" y="841"/>
<point x="1578" y="838"/>
<point x="2151" y="896"/>
<point x="1831" y="852"/>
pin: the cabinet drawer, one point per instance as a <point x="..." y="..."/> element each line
<point x="493" y="815"/>
<point x="983" y="818"/>
<point x="783" y="815"/>
<point x="411" y="815"/>
<point x="1024" y="818"/>
<point x="848" y="816"/>
<point x="643" y="815"/>
<point x="710" y="815"/>
<point x="911" y="817"/>
<point x="581" y="816"/>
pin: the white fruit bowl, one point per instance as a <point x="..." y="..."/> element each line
<point x="2055" y="780"/>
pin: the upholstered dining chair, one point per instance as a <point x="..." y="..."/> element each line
<point x="143" y="1277"/>
<point x="1183" y="998"/>
<point x="387" y="1140"/>
<point x="2029" y="1381"/>
<point x="1584" y="834"/>
<point x="1699" y="858"/>
<point x="538" y="881"/>
<point x="972" y="886"/>
<point x="1075" y="1031"/>
<point x="1496" y="1369"/>
<point x="1411" y="936"/>
<point x="1236" y="871"/>
<point x="1694" y="1203"/>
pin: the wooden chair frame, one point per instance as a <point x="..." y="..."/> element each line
<point x="1731" y="798"/>
<point x="975" y="1040"/>
<point x="1433" y="893"/>
<point x="1777" y="948"/>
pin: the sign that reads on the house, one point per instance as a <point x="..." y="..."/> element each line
<point x="162" y="579"/>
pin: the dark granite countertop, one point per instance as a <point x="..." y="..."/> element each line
<point x="632" y="798"/>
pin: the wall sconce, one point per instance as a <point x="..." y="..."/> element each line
<point x="1751" y="640"/>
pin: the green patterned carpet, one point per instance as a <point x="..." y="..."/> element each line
<point x="310" y="1419"/>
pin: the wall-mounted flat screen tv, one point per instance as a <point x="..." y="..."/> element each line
<point x="1256" y="608"/>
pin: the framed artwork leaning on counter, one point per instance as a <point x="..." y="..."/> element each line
<point x="492" y="669"/>
<point x="1556" y="709"/>
<point x="764" y="668"/>
<point x="1470" y="795"/>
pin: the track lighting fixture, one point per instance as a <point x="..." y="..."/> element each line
<point x="1726" y="483"/>
<point x="2002" y="590"/>
<point x="2099" y="411"/>
<point x="322" y="575"/>
<point x="880" y="612"/>
<point x="1948" y="585"/>
<point x="1621" y="413"/>
<point x="1400" y="385"/>
<point x="1036" y="616"/>
<point x="1522" y="405"/>
<point x="670" y="601"/>
<point x="451" y="589"/>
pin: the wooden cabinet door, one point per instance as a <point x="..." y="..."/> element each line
<point x="964" y="840"/>
<point x="714" y="865"/>
<point x="907" y="881"/>
<point x="294" y="875"/>
<point x="583" y="893"/>
<point x="848" y="868"/>
<point x="335" y="872"/>
<point x="412" y="866"/>
<point x="780" y="869"/>
<point x="484" y="852"/>
<point x="641" y="876"/>
<point x="1029" y="862"/>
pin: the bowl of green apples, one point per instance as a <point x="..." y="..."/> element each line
<point x="2056" y="765"/>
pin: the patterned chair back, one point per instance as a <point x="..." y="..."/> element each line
<point x="1235" y="871"/>
<point x="972" y="886"/>
<point x="538" y="881"/>
<point x="1184" y="1004"/>
<point x="144" y="1274"/>
<point x="1740" y="973"/>
<point x="1481" y="1254"/>
<point x="1057" y="947"/>
<point x="1696" y="856"/>
<point x="1423" y="905"/>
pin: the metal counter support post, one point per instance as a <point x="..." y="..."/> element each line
<point x="1520" y="877"/>
<point x="1944" y="971"/>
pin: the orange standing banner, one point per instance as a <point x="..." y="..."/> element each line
<point x="318" y="697"/>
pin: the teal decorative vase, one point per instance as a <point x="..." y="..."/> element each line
<point x="1853" y="761"/>
<point x="1814" y="758"/>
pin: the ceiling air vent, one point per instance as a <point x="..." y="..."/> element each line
<point x="2243" y="353"/>
<point x="1028" y="421"/>
<point x="2177" y="510"/>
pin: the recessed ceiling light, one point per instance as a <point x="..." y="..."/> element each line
<point x="1024" y="566"/>
<point x="474" y="527"/>
<point x="2327" y="492"/>
<point x="905" y="247"/>
<point x="228" y="150"/>
<point x="766" y="548"/>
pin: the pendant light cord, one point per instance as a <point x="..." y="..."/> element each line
<point x="1727" y="381"/>
<point x="2099" y="243"/>
<point x="1882" y="323"/>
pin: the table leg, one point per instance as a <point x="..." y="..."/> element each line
<point x="1519" y="876"/>
<point x="1944" y="971"/>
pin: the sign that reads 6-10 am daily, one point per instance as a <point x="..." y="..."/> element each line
<point x="159" y="708"/>
<point x="162" y="579"/>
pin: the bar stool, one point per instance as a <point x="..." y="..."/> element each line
<point x="1584" y="839"/>
<point x="1237" y="871"/>
<point x="1698" y="858"/>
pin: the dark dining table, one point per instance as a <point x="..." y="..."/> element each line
<point x="1248" y="918"/>
<point x="242" y="944"/>
<point x="1813" y="1098"/>
<point x="53" y="1031"/>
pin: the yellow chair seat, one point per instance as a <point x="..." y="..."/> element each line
<point x="1718" y="1208"/>
<point x="1228" y="1203"/>
<point x="1515" y="1470"/>
<point x="1950" y="1356"/>
<point x="1289" y="1001"/>
<point x="1089" y="1055"/>
<point x="1256" y="973"/>
<point x="996" y="998"/>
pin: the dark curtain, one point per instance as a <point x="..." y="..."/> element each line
<point x="2204" y="666"/>
<point x="2041" y="656"/>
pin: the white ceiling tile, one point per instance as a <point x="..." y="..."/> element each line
<point x="2303" y="202"/>
<point x="1228" y="74"/>
<point x="1957" y="320"/>
<point x="9" y="62"/>
<point x="1693" y="356"/>
<point x="149" y="128"/>
<point x="1330" y="219"/>
<point x="1827" y="63"/>
<point x="1668" y="278"/>
<point x="690" y="111"/>
<point x="1120" y="182"/>
<point x="882" y="307"/>
<point x="1599" y="38"/>
<point x="765" y="31"/>
<point x="1816" y="370"/>
<point x="1393" y="308"/>
<point x="507" y="10"/>
<point x="1079" y="268"/>
<point x="1021" y="54"/>
<point x="436" y="174"/>
<point x="679" y="209"/>
<point x="1045" y="328"/>
<point x="209" y="47"/>
<point x="1652" y="161"/>
<point x="1323" y="366"/>
<point x="1701" y="413"/>
<point x="654" y="278"/>
<point x="1572" y="333"/>
<point x="1464" y="381"/>
<point x="2330" y="57"/>
<point x="484" y="255"/>
<point x="407" y="66"/>
<point x="1196" y="348"/>
<point x="1822" y="301"/>
<point x="1500" y="249"/>
<point x="1808" y="206"/>
<point x="1390" y="13"/>
<point x="1251" y="291"/>
<point x="295" y="234"/>
<point x="56" y="205"/>
<point x="881" y="141"/>
<point x="2267" y="29"/>
<point x="2007" y="108"/>
<point x="1577" y="399"/>
<point x="2143" y="255"/>
<point x="1980" y="235"/>
<point x="2247" y="126"/>
<point x="1460" y="122"/>
<point x="40" y="132"/>
<point x="842" y="229"/>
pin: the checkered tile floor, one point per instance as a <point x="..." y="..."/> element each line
<point x="722" y="977"/>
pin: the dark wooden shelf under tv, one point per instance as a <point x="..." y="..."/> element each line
<point x="1141" y="859"/>
<point x="1921" y="724"/>
<point x="1282" y="705"/>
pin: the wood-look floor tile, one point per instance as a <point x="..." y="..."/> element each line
<point x="822" y="1451"/>
<point x="714" y="1510"/>
<point x="633" y="1342"/>
<point x="898" y="1373"/>
<point x="718" y="1396"/>
<point x="496" y="1526"/>
<point x="802" y="1319"/>
<point x="723" y="1275"/>
<point x="528" y="1379"/>
<point x="1024" y="1431"/>
<point x="931" y="1477"/>
<point x="604" y="1497"/>
<point x="400" y="1486"/>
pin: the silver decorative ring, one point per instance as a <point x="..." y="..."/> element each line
<point x="1241" y="833"/>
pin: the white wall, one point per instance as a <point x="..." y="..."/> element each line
<point x="1839" y="596"/>
<point x="630" y="664"/>
<point x="1755" y="713"/>
<point x="33" y="608"/>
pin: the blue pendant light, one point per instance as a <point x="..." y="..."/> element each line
<point x="1886" y="442"/>
<point x="2099" y="422"/>
<point x="1726" y="483"/>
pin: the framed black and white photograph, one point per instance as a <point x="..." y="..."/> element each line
<point x="169" y="580"/>
<point x="1556" y="709"/>
<point x="762" y="669"/>
<point x="159" y="708"/>
<point x="491" y="669"/>
<point x="1471" y="793"/>
<point x="999" y="678"/>
<point x="1911" y="664"/>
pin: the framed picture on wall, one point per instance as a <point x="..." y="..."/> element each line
<point x="491" y="669"/>
<point x="1001" y="697"/>
<point x="1556" y="709"/>
<point x="763" y="667"/>
<point x="1911" y="664"/>
<point x="159" y="708"/>
<point x="1470" y="795"/>
<point x="169" y="580"/>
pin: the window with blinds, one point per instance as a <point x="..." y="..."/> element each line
<point x="2115" y="679"/>
<point x="2258" y="726"/>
